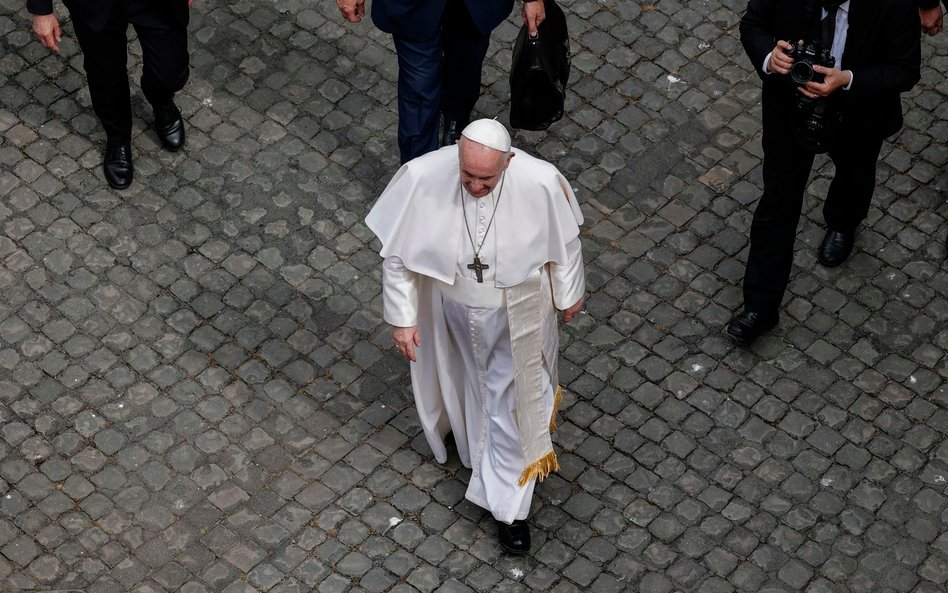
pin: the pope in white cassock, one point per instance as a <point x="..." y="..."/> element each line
<point x="480" y="248"/>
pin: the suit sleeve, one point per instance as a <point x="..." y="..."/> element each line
<point x="39" y="7"/>
<point x="757" y="35"/>
<point x="900" y="48"/>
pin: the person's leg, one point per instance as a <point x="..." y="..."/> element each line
<point x="104" y="55"/>
<point x="850" y="193"/>
<point x="419" y="94"/>
<point x="786" y="169"/>
<point x="483" y="339"/>
<point x="464" y="49"/>
<point x="164" y="41"/>
<point x="503" y="463"/>
<point x="773" y="232"/>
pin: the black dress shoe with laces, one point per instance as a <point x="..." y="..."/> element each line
<point x="515" y="538"/>
<point x="452" y="131"/>
<point x="169" y="126"/>
<point x="117" y="166"/>
<point x="748" y="326"/>
<point x="836" y="247"/>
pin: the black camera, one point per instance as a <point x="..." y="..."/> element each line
<point x="805" y="56"/>
<point x="815" y="119"/>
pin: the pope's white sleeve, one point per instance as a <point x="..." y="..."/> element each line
<point x="569" y="281"/>
<point x="399" y="293"/>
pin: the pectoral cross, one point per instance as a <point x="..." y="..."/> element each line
<point x="478" y="268"/>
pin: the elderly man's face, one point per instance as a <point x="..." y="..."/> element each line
<point x="481" y="167"/>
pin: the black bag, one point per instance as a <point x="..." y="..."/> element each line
<point x="539" y="72"/>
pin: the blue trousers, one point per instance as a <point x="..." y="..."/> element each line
<point x="438" y="75"/>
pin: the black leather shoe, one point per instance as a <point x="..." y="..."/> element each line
<point x="169" y="126"/>
<point x="746" y="327"/>
<point x="452" y="131"/>
<point x="836" y="247"/>
<point x="515" y="538"/>
<point x="117" y="166"/>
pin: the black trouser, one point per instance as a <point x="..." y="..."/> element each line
<point x="464" y="49"/>
<point x="786" y="169"/>
<point x="441" y="73"/>
<point x="164" y="42"/>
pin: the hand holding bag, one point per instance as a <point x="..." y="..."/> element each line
<point x="540" y="72"/>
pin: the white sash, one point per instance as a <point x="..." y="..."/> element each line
<point x="471" y="293"/>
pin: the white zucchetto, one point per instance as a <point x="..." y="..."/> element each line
<point x="489" y="132"/>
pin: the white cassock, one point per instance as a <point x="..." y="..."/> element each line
<point x="486" y="369"/>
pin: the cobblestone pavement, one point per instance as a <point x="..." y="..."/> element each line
<point x="196" y="388"/>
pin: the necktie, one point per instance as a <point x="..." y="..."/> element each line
<point x="829" y="27"/>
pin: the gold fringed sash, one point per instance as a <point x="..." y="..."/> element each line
<point x="557" y="400"/>
<point x="542" y="467"/>
<point x="539" y="469"/>
<point x="528" y="304"/>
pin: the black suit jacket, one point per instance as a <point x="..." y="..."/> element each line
<point x="95" y="13"/>
<point x="882" y="50"/>
<point x="421" y="18"/>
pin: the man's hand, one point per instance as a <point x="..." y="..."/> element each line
<point x="933" y="21"/>
<point x="353" y="10"/>
<point x="533" y="14"/>
<point x="406" y="340"/>
<point x="573" y="311"/>
<point x="46" y="27"/>
<point x="833" y="80"/>
<point x="780" y="61"/>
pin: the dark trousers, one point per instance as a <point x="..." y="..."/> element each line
<point x="438" y="75"/>
<point x="164" y="42"/>
<point x="786" y="170"/>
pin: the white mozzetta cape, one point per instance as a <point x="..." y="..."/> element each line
<point x="418" y="217"/>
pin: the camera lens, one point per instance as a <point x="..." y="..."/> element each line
<point x="801" y="73"/>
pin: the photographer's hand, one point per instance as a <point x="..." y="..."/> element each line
<point x="780" y="62"/>
<point x="833" y="80"/>
<point x="48" y="31"/>
<point x="352" y="10"/>
<point x="933" y="21"/>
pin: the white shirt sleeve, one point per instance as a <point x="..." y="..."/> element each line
<point x="852" y="77"/>
<point x="399" y="293"/>
<point x="569" y="281"/>
<point x="766" y="67"/>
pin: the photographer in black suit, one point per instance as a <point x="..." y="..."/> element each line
<point x="162" y="27"/>
<point x="875" y="45"/>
